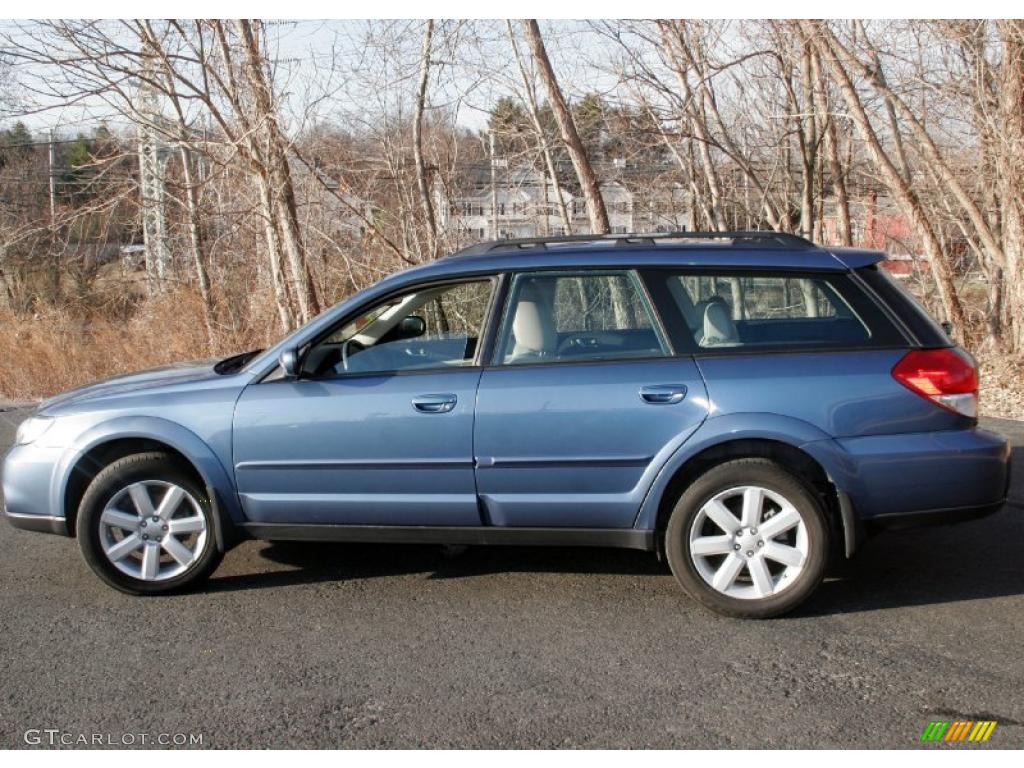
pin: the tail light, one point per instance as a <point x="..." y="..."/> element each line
<point x="947" y="377"/>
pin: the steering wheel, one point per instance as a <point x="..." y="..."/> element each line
<point x="580" y="342"/>
<point x="356" y="346"/>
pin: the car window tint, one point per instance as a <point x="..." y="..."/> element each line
<point x="729" y="310"/>
<point x="429" y="328"/>
<point x="566" y="317"/>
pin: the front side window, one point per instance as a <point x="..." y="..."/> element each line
<point x="435" y="327"/>
<point x="585" y="316"/>
<point x="735" y="310"/>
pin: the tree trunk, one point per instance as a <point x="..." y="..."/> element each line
<point x="281" y="189"/>
<point x="599" y="224"/>
<point x="808" y="145"/>
<point x="697" y="117"/>
<point x="895" y="182"/>
<point x="285" y="312"/>
<point x="533" y="110"/>
<point x="196" y="241"/>
<point x="422" y="183"/>
<point x="835" y="166"/>
<point x="937" y="163"/>
<point x="1010" y="170"/>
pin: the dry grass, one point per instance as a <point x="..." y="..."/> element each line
<point x="1002" y="385"/>
<point x="55" y="350"/>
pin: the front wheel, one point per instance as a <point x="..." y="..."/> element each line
<point x="748" y="539"/>
<point x="145" y="526"/>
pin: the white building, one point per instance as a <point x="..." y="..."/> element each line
<point x="523" y="204"/>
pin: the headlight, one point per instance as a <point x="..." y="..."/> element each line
<point x="32" y="429"/>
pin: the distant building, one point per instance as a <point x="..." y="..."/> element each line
<point x="524" y="203"/>
<point x="877" y="222"/>
<point x="344" y="213"/>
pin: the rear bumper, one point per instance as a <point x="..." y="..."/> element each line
<point x="940" y="477"/>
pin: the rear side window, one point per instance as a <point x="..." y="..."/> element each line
<point x="729" y="309"/>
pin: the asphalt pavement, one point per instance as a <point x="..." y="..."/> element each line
<point x="316" y="645"/>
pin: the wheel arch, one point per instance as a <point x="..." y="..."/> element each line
<point x="795" y="445"/>
<point x="113" y="440"/>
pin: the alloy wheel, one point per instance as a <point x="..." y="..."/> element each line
<point x="152" y="530"/>
<point x="749" y="542"/>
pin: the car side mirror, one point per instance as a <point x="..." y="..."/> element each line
<point x="289" y="361"/>
<point x="412" y="327"/>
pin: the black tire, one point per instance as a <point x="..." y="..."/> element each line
<point x="112" y="479"/>
<point x="741" y="472"/>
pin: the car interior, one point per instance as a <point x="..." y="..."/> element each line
<point x="394" y="336"/>
<point x="774" y="311"/>
<point x="566" y="317"/>
<point x="550" y="323"/>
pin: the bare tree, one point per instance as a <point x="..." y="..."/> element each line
<point x="570" y="136"/>
<point x="417" y="143"/>
<point x="897" y="184"/>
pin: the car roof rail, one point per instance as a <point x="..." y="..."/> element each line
<point x="752" y="238"/>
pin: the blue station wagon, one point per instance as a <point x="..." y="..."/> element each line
<point x="744" y="405"/>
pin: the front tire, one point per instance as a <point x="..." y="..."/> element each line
<point x="747" y="539"/>
<point x="145" y="526"/>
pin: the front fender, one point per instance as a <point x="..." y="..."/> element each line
<point x="186" y="442"/>
<point x="746" y="426"/>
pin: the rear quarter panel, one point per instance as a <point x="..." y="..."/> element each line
<point x="843" y="394"/>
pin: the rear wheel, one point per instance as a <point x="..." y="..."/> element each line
<point x="145" y="526"/>
<point x="748" y="539"/>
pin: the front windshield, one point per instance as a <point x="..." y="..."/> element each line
<point x="265" y="355"/>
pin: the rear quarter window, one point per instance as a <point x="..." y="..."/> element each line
<point x="905" y="307"/>
<point x="740" y="311"/>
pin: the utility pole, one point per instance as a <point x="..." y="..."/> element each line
<point x="152" y="162"/>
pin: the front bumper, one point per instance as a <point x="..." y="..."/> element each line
<point x="28" y="472"/>
<point x="39" y="523"/>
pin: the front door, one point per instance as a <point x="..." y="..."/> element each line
<point x="378" y="429"/>
<point x="583" y="403"/>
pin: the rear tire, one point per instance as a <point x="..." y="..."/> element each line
<point x="145" y="526"/>
<point x="747" y="539"/>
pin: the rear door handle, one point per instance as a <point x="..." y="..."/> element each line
<point x="663" y="394"/>
<point x="434" y="403"/>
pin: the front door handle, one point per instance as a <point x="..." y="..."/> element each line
<point x="663" y="394"/>
<point x="434" y="403"/>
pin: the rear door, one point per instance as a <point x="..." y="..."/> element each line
<point x="583" y="402"/>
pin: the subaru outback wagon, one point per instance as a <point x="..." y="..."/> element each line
<point x="744" y="405"/>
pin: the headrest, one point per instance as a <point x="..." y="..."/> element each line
<point x="718" y="325"/>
